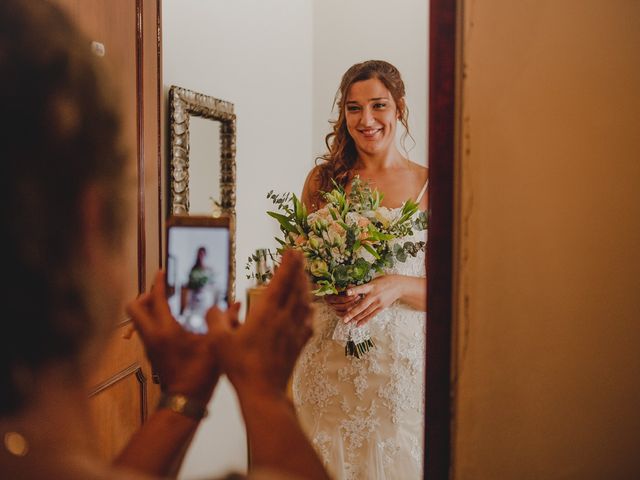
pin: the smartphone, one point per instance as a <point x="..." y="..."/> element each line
<point x="198" y="263"/>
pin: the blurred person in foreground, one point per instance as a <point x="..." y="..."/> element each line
<point x="68" y="198"/>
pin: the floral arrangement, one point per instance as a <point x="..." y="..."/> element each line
<point x="198" y="278"/>
<point x="348" y="241"/>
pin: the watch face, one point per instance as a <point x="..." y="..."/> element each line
<point x="179" y="402"/>
<point x="183" y="405"/>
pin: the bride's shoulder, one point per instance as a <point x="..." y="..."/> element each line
<point x="311" y="188"/>
<point x="420" y="170"/>
<point x="313" y="177"/>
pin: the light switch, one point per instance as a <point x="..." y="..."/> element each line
<point x="98" y="49"/>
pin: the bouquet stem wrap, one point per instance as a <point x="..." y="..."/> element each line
<point x="357" y="340"/>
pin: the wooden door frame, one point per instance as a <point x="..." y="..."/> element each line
<point x="442" y="89"/>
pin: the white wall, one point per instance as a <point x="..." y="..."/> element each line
<point x="280" y="63"/>
<point x="351" y="31"/>
<point x="255" y="54"/>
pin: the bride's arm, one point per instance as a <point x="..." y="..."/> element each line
<point x="413" y="291"/>
<point x="381" y="292"/>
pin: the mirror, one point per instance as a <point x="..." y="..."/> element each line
<point x="202" y="135"/>
<point x="280" y="62"/>
<point x="202" y="160"/>
<point x="204" y="167"/>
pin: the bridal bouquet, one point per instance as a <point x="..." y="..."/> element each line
<point x="347" y="242"/>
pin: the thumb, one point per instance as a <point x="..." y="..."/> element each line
<point x="219" y="321"/>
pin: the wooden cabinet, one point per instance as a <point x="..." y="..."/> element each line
<point x="254" y="295"/>
<point x="126" y="36"/>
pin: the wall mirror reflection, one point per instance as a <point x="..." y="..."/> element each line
<point x="280" y="62"/>
<point x="204" y="166"/>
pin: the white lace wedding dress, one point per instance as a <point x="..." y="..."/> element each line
<point x="365" y="416"/>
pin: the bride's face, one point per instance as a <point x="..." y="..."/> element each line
<point x="372" y="116"/>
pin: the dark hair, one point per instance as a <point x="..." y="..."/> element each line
<point x="198" y="262"/>
<point x="338" y="162"/>
<point x="59" y="134"/>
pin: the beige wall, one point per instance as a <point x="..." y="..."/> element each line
<point x="548" y="230"/>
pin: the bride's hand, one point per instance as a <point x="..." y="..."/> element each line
<point x="341" y="304"/>
<point x="374" y="296"/>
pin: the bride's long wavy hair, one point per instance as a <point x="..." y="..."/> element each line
<point x="337" y="164"/>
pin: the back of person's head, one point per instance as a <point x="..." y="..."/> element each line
<point x="59" y="135"/>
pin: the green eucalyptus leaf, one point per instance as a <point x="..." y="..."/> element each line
<point x="285" y="222"/>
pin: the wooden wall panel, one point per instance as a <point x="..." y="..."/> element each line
<point x="119" y="408"/>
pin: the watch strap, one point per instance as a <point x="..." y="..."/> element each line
<point x="184" y="405"/>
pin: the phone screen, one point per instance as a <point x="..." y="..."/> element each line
<point x="197" y="272"/>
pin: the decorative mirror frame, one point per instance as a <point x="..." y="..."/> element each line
<point x="182" y="104"/>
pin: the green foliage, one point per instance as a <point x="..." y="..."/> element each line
<point x="198" y="278"/>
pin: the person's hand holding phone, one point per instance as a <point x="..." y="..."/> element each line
<point x="186" y="362"/>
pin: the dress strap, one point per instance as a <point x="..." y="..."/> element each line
<point x="424" y="189"/>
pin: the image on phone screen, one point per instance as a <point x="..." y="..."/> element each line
<point x="197" y="273"/>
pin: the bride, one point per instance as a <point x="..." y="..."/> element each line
<point x="365" y="415"/>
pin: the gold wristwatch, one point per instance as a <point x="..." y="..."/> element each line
<point x="184" y="405"/>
